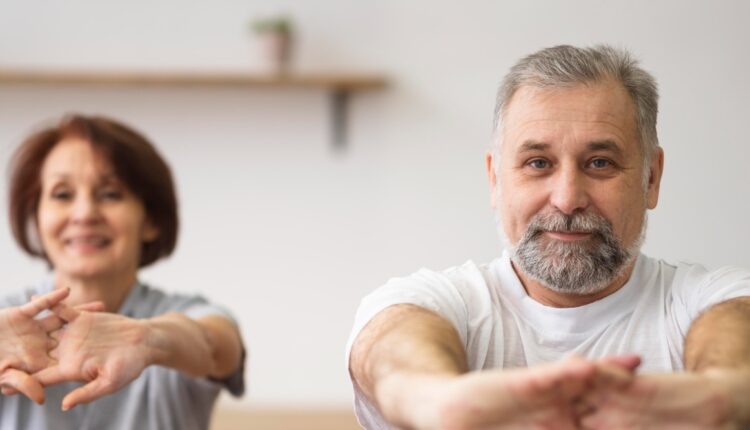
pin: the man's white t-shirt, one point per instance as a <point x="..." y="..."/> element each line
<point x="502" y="327"/>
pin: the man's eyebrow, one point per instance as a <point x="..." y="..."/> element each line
<point x="533" y="145"/>
<point x="597" y="145"/>
<point x="605" y="145"/>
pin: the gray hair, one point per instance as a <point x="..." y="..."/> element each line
<point x="566" y="66"/>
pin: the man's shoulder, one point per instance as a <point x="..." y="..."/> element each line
<point x="464" y="286"/>
<point x="688" y="282"/>
<point x="692" y="273"/>
<point x="473" y="270"/>
<point x="468" y="273"/>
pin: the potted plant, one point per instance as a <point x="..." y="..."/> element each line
<point x="275" y="39"/>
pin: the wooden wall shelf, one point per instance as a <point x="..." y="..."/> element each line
<point x="339" y="86"/>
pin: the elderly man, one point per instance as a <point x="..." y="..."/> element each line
<point x="571" y="327"/>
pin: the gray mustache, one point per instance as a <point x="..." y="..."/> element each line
<point x="580" y="222"/>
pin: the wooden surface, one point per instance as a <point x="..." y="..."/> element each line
<point x="336" y="81"/>
<point x="283" y="419"/>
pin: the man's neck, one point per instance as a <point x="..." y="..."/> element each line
<point x="555" y="299"/>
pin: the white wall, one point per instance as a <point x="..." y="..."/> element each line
<point x="290" y="235"/>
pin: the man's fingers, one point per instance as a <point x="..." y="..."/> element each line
<point x="50" y="375"/>
<point x="600" y="419"/>
<point x="89" y="392"/>
<point x="583" y="407"/>
<point x="627" y="361"/>
<point x="23" y="383"/>
<point x="65" y="312"/>
<point x="567" y="379"/>
<point x="46" y="301"/>
<point x="609" y="376"/>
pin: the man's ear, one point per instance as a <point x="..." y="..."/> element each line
<point x="492" y="177"/>
<point x="150" y="231"/>
<point x="654" y="180"/>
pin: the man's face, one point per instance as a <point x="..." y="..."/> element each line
<point x="572" y="152"/>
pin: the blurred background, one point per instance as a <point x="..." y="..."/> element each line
<point x="289" y="232"/>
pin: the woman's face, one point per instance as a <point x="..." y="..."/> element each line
<point x="90" y="224"/>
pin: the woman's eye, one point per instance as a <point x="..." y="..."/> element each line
<point x="61" y="195"/>
<point x="538" y="163"/>
<point x="110" y="195"/>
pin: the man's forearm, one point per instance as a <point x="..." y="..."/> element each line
<point x="404" y="347"/>
<point x="720" y="337"/>
<point x="718" y="346"/>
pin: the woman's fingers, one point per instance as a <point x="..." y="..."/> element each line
<point x="96" y="306"/>
<point x="8" y="391"/>
<point x="88" y="393"/>
<point x="67" y="313"/>
<point x="46" y="301"/>
<point x="54" y="354"/>
<point x="50" y="375"/>
<point x="23" y="383"/>
<point x="51" y="323"/>
<point x="52" y="344"/>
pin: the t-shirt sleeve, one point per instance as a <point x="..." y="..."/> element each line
<point x="697" y="289"/>
<point x="426" y="289"/>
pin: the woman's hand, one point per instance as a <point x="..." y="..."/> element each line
<point x="105" y="350"/>
<point x="25" y="342"/>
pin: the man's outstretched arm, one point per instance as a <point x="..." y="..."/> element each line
<point x="713" y="393"/>
<point x="718" y="345"/>
<point x="400" y="343"/>
<point x="720" y="337"/>
<point x="411" y="364"/>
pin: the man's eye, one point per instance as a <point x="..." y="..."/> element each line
<point x="600" y="163"/>
<point x="538" y="163"/>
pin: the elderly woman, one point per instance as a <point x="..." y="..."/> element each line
<point x="95" y="200"/>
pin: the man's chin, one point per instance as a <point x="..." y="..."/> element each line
<point x="570" y="269"/>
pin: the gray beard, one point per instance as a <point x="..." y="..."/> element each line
<point x="581" y="267"/>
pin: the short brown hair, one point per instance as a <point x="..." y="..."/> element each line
<point x="136" y="163"/>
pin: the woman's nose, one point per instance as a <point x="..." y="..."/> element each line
<point x="85" y="210"/>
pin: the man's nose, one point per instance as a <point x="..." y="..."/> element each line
<point x="569" y="191"/>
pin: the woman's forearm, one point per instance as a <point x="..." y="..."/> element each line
<point x="209" y="346"/>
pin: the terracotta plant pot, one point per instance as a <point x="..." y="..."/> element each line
<point x="275" y="51"/>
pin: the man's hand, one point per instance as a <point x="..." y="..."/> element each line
<point x="105" y="350"/>
<point x="24" y="342"/>
<point x="541" y="397"/>
<point x="695" y="400"/>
